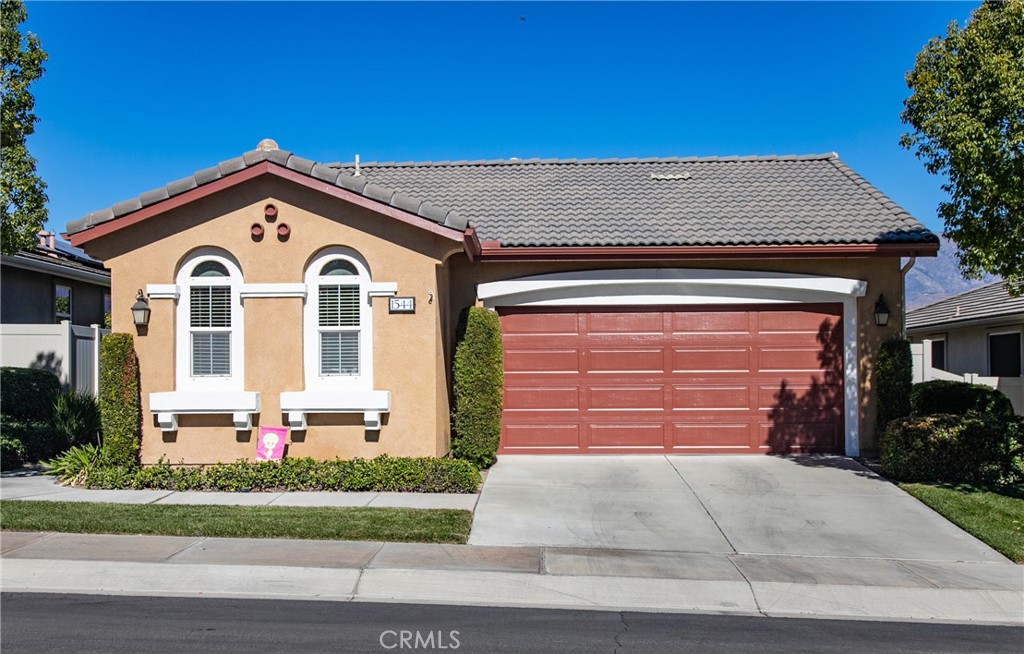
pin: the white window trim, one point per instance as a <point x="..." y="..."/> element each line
<point x="691" y="286"/>
<point x="311" y="322"/>
<point x="183" y="331"/>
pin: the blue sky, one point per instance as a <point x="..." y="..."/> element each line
<point x="137" y="94"/>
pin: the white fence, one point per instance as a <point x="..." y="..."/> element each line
<point x="1011" y="387"/>
<point x="69" y="351"/>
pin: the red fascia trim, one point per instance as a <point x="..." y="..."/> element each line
<point x="490" y="252"/>
<point x="252" y="172"/>
<point x="471" y="244"/>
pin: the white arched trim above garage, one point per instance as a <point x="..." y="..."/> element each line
<point x="689" y="286"/>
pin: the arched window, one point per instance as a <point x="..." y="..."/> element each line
<point x="209" y="332"/>
<point x="337" y="333"/>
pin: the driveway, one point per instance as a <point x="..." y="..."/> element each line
<point x="798" y="506"/>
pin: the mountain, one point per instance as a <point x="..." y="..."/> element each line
<point x="936" y="278"/>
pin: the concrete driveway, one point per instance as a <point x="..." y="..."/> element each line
<point x="798" y="506"/>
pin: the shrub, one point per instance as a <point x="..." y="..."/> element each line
<point x="27" y="393"/>
<point x="478" y="382"/>
<point x="894" y="381"/>
<point x="12" y="452"/>
<point x="120" y="409"/>
<point x="958" y="398"/>
<point x="76" y="463"/>
<point x="383" y="473"/>
<point x="975" y="448"/>
<point x="39" y="438"/>
<point x="77" y="416"/>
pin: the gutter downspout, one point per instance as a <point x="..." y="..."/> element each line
<point x="903" y="280"/>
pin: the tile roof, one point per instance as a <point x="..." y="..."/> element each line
<point x="990" y="301"/>
<point x="796" y="199"/>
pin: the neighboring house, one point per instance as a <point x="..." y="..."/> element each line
<point x="50" y="297"/>
<point x="687" y="305"/>
<point x="975" y="336"/>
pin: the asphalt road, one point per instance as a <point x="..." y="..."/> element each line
<point x="45" y="623"/>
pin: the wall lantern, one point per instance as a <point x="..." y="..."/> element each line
<point x="140" y="310"/>
<point x="881" y="312"/>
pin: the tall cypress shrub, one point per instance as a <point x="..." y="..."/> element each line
<point x="120" y="408"/>
<point x="478" y="386"/>
<point x="894" y="379"/>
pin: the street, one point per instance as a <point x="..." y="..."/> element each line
<point x="50" y="623"/>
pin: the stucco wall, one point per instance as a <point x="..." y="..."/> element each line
<point x="967" y="347"/>
<point x="26" y="296"/>
<point x="881" y="274"/>
<point x="407" y="348"/>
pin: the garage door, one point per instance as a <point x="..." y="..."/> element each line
<point x="727" y="379"/>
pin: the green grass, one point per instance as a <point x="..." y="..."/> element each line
<point x="323" y="523"/>
<point x="993" y="515"/>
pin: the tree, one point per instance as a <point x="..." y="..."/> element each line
<point x="22" y="192"/>
<point x="967" y="112"/>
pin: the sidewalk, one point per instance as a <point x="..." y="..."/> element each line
<point x="37" y="487"/>
<point x="771" y="586"/>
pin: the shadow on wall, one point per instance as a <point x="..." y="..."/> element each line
<point x="50" y="362"/>
<point x="808" y="414"/>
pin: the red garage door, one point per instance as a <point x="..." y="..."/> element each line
<point x="694" y="380"/>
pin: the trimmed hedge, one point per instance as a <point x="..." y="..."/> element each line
<point x="383" y="473"/>
<point x="39" y="439"/>
<point x="958" y="398"/>
<point x="12" y="452"/>
<point x="894" y="381"/>
<point x="27" y="393"/>
<point x="976" y="448"/>
<point x="478" y="388"/>
<point x="120" y="408"/>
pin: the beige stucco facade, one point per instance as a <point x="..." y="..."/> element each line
<point x="411" y="353"/>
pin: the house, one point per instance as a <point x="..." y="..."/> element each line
<point x="975" y="336"/>
<point x="688" y="305"/>
<point x="54" y="300"/>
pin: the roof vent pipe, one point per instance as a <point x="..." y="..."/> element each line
<point x="357" y="173"/>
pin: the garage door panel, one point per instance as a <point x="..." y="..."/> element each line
<point x="629" y="434"/>
<point x="531" y="436"/>
<point x="624" y="323"/>
<point x="720" y="398"/>
<point x="713" y="379"/>
<point x="543" y="398"/>
<point x="704" y="435"/>
<point x="808" y="322"/>
<point x="627" y="398"/>
<point x="709" y="322"/>
<point x="626" y="360"/>
<point x="550" y="360"/>
<point x="703" y="359"/>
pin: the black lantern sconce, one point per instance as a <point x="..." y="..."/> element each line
<point x="140" y="310"/>
<point x="881" y="312"/>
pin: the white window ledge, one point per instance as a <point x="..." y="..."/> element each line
<point x="369" y="403"/>
<point x="240" y="404"/>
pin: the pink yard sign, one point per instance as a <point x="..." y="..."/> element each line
<point x="270" y="446"/>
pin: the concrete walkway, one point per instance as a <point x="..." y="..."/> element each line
<point x="771" y="586"/>
<point x="804" y="506"/>
<point x="47" y="489"/>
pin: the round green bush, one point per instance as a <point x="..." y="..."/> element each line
<point x="27" y="393"/>
<point x="973" y="448"/>
<point x="958" y="398"/>
<point x="39" y="438"/>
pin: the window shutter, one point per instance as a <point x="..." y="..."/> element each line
<point x="339" y="306"/>
<point x="210" y="306"/>
<point x="339" y="353"/>
<point x="211" y="354"/>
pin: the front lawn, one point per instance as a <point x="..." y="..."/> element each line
<point x="993" y="515"/>
<point x="323" y="523"/>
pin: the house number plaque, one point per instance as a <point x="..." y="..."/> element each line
<point x="402" y="305"/>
